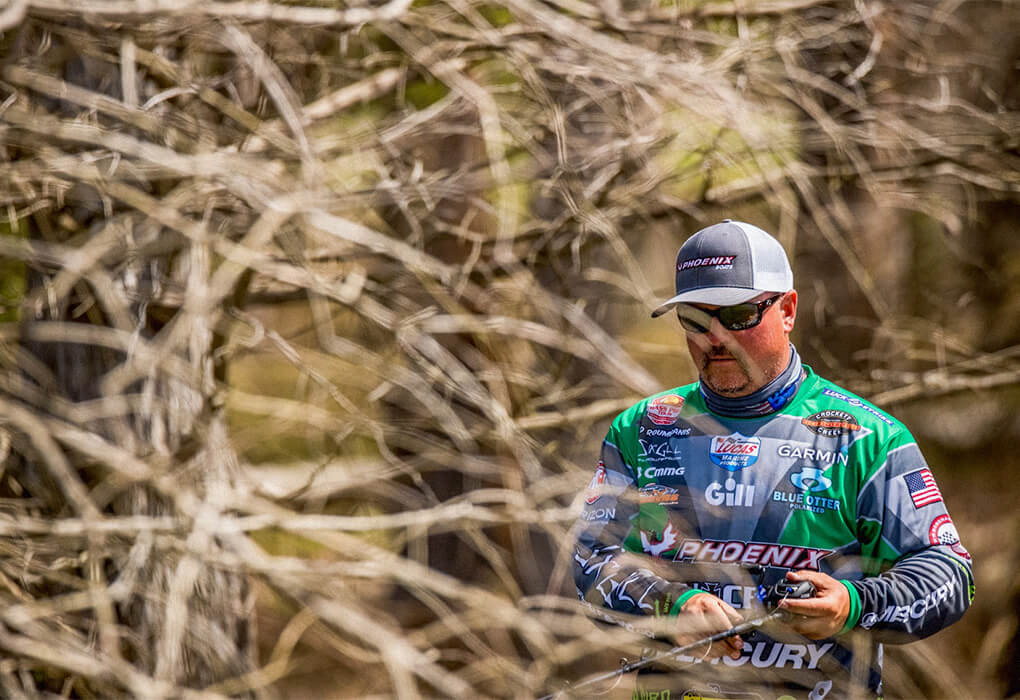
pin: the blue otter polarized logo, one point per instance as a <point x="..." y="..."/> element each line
<point x="734" y="452"/>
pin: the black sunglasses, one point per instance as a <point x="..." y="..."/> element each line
<point x="738" y="317"/>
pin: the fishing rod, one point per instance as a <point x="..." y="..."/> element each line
<point x="771" y="596"/>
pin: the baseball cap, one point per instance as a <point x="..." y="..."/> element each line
<point x="728" y="263"/>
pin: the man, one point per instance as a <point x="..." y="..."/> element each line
<point x="762" y="463"/>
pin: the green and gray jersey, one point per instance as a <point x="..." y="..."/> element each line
<point x="828" y="482"/>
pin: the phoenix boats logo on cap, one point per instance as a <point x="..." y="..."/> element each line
<point x="728" y="263"/>
<point x="718" y="262"/>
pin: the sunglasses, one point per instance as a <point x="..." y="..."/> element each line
<point x="738" y="317"/>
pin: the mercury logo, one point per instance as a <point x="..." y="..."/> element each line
<point x="732" y="493"/>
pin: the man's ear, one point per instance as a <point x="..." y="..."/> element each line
<point x="788" y="306"/>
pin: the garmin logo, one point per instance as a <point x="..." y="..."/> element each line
<point x="812" y="454"/>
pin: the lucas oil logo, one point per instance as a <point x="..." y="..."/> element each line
<point x="664" y="410"/>
<point x="734" y="452"/>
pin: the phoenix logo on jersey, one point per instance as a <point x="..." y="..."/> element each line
<point x="750" y="553"/>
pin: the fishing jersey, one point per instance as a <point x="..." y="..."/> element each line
<point x="828" y="482"/>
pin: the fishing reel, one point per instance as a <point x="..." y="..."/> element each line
<point x="771" y="595"/>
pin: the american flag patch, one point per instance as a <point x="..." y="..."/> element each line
<point x="923" y="489"/>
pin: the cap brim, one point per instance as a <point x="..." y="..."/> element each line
<point x="716" y="296"/>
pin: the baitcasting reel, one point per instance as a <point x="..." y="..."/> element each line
<point x="780" y="590"/>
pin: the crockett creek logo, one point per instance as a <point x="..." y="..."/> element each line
<point x="734" y="452"/>
<point x="664" y="410"/>
<point x="831" y="423"/>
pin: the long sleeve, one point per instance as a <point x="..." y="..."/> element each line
<point x="902" y="518"/>
<point x="606" y="574"/>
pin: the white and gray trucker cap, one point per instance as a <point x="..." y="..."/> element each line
<point x="728" y="263"/>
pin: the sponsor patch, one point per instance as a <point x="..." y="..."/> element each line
<point x="857" y="403"/>
<point x="805" y="501"/>
<point x="734" y="452"/>
<point x="656" y="493"/>
<point x="831" y="423"/>
<point x="731" y="593"/>
<point x="656" y="451"/>
<point x="657" y="546"/>
<point x="664" y="433"/>
<point x="780" y="398"/>
<point x="600" y="514"/>
<point x="809" y="479"/>
<point x="659" y="472"/>
<point x="922" y="487"/>
<point x="748" y="553"/>
<point x="915" y="610"/>
<point x="718" y="261"/>
<point x="943" y="532"/>
<point x="765" y="655"/>
<point x="664" y="410"/>
<point x="644" y="694"/>
<point x="594" y="490"/>
<point x="730" y="494"/>
<point x="812" y="454"/>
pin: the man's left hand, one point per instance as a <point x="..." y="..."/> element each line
<point x="822" y="615"/>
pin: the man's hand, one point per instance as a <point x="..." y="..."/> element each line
<point x="822" y="615"/>
<point x="703" y="615"/>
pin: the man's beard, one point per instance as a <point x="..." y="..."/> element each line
<point x="726" y="390"/>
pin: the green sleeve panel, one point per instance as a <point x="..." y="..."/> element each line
<point x="855" y="608"/>
<point x="682" y="600"/>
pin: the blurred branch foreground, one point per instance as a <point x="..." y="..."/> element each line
<point x="313" y="315"/>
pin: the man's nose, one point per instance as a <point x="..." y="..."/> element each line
<point x="716" y="333"/>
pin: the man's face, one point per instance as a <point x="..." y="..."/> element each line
<point x="738" y="363"/>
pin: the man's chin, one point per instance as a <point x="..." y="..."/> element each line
<point x="726" y="383"/>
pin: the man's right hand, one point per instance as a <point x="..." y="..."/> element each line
<point x="702" y="616"/>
